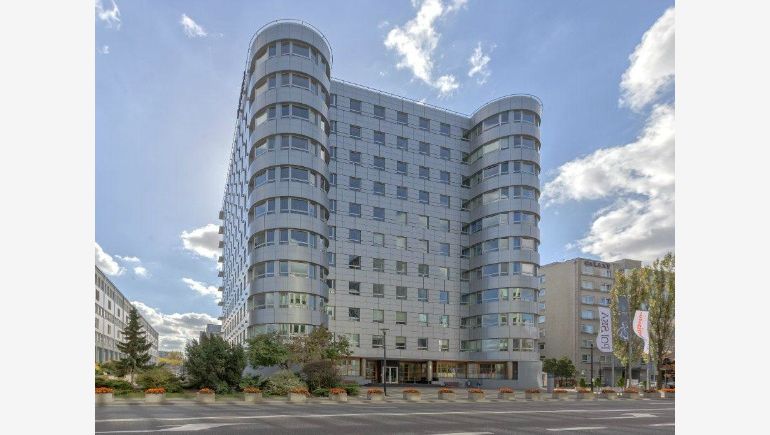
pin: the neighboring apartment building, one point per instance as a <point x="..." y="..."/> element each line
<point x="211" y="330"/>
<point x="570" y="293"/>
<point x="112" y="309"/>
<point x="359" y="210"/>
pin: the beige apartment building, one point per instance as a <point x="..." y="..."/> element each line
<point x="571" y="293"/>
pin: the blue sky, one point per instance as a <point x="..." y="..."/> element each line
<point x="168" y="76"/>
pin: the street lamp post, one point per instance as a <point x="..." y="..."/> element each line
<point x="384" y="358"/>
<point x="592" y="367"/>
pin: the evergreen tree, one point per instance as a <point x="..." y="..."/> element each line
<point x="662" y="304"/>
<point x="135" y="346"/>
<point x="214" y="363"/>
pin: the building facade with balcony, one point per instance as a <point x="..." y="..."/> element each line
<point x="112" y="309"/>
<point x="570" y="294"/>
<point x="359" y="210"/>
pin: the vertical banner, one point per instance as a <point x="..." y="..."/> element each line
<point x="623" y="325"/>
<point x="641" y="328"/>
<point x="604" y="338"/>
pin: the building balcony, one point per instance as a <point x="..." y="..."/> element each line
<point x="220" y="303"/>
<point x="221" y="274"/>
<point x="221" y="259"/>
<point x="221" y="229"/>
<point x="221" y="288"/>
<point x="221" y="244"/>
<point x="221" y="214"/>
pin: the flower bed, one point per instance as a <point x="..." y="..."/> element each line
<point x="532" y="393"/>
<point x="252" y="390"/>
<point x="104" y="390"/>
<point x="104" y="395"/>
<point x="298" y="394"/>
<point x="559" y="394"/>
<point x="205" y="395"/>
<point x="505" y="393"/>
<point x="252" y="394"/>
<point x="374" y="394"/>
<point x="609" y="393"/>
<point x="475" y="394"/>
<point x="446" y="394"/>
<point x="154" y="395"/>
<point x="411" y="394"/>
<point x="338" y="394"/>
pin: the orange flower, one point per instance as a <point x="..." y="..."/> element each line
<point x="651" y="390"/>
<point x="103" y="390"/>
<point x="252" y="390"/>
<point x="159" y="390"/>
<point x="667" y="390"/>
<point x="446" y="390"/>
<point x="205" y="390"/>
<point x="559" y="391"/>
<point x="607" y="390"/>
<point x="505" y="390"/>
<point x="373" y="391"/>
<point x="533" y="391"/>
<point x="411" y="391"/>
<point x="631" y="390"/>
<point x="475" y="390"/>
<point x="300" y="390"/>
<point x="583" y="390"/>
<point x="337" y="391"/>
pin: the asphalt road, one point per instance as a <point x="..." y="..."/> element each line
<point x="621" y="416"/>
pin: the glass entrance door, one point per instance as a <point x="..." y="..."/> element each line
<point x="391" y="375"/>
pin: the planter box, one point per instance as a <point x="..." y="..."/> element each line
<point x="297" y="397"/>
<point x="532" y="396"/>
<point x="205" y="398"/>
<point x="412" y="397"/>
<point x="475" y="397"/>
<point x="654" y="395"/>
<point x="342" y="397"/>
<point x="586" y="396"/>
<point x="103" y="398"/>
<point x="154" y="398"/>
<point x="559" y="396"/>
<point x="506" y="396"/>
<point x="447" y="396"/>
<point x="252" y="397"/>
<point x="375" y="397"/>
<point x="665" y="395"/>
<point x="610" y="396"/>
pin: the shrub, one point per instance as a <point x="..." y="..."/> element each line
<point x="352" y="389"/>
<point x="103" y="390"/>
<point x="533" y="390"/>
<point x="223" y="388"/>
<point x="411" y="391"/>
<point x="254" y="381"/>
<point x="582" y="382"/>
<point x="159" y="377"/>
<point x="320" y="374"/>
<point x="373" y="391"/>
<point x="621" y="382"/>
<point x="607" y="390"/>
<point x="213" y="362"/>
<point x="160" y="390"/>
<point x="280" y="382"/>
<point x="206" y="391"/>
<point x="446" y="390"/>
<point x="252" y="390"/>
<point x="337" y="390"/>
<point x="321" y="392"/>
<point x="116" y="384"/>
<point x="505" y="390"/>
<point x="112" y="368"/>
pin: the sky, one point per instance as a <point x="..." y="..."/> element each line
<point x="168" y="76"/>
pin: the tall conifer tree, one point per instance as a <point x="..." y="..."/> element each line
<point x="134" y="346"/>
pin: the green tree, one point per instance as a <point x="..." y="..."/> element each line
<point x="267" y="350"/>
<point x="565" y="369"/>
<point x="662" y="304"/>
<point x="135" y="346"/>
<point x="550" y="365"/>
<point x="634" y="286"/>
<point x="319" y="345"/>
<point x="214" y="363"/>
<point x="158" y="377"/>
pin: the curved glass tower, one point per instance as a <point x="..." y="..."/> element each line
<point x="358" y="210"/>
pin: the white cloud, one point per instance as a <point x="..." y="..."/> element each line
<point x="191" y="28"/>
<point x="174" y="330"/>
<point x="416" y="42"/>
<point x="640" y="177"/>
<point x="141" y="271"/>
<point x="383" y="24"/>
<point x="106" y="263"/>
<point x="479" y="65"/>
<point x="204" y="241"/>
<point x="129" y="259"/>
<point x="104" y="50"/>
<point x="110" y="17"/>
<point x="202" y="288"/>
<point x="652" y="65"/>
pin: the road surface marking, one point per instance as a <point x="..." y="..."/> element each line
<point x="465" y="433"/>
<point x="627" y="415"/>
<point x="662" y="424"/>
<point x="561" y="429"/>
<point x="183" y="428"/>
<point x="371" y="414"/>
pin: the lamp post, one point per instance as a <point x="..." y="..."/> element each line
<point x="384" y="358"/>
<point x="592" y="367"/>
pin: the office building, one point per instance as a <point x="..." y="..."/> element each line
<point x="112" y="310"/>
<point x="570" y="294"/>
<point x="212" y="330"/>
<point x="359" y="210"/>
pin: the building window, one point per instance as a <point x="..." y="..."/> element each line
<point x="379" y="162"/>
<point x="354" y="262"/>
<point x="425" y="148"/>
<point x="444" y="177"/>
<point x="443" y="249"/>
<point x="422" y="294"/>
<point x="443" y="225"/>
<point x="378" y="239"/>
<point x="355" y="106"/>
<point x="400" y="317"/>
<point x="402" y="143"/>
<point x="378" y="290"/>
<point x="355" y="157"/>
<point x="422" y="270"/>
<point x="402" y="118"/>
<point x="401" y="168"/>
<point x="424" y="197"/>
<point x="443" y="296"/>
<point x="422" y="343"/>
<point x="423" y="318"/>
<point x="355" y="131"/>
<point x="401" y="218"/>
<point x="354" y="235"/>
<point x="401" y="343"/>
<point x="586" y="314"/>
<point x="400" y="292"/>
<point x="377" y="341"/>
<point x="379" y="112"/>
<point x="424" y="221"/>
<point x="445" y="153"/>
<point x="444" y="129"/>
<point x="354" y="183"/>
<point x="379" y="138"/>
<point x="378" y="316"/>
<point x="444" y="200"/>
<point x="588" y="329"/>
<point x="444" y="320"/>
<point x="354" y="314"/>
<point x="401" y="242"/>
<point x="424" y="172"/>
<point x="402" y="192"/>
<point x="424" y="123"/>
<point x="378" y="264"/>
<point x="587" y="299"/>
<point x="354" y="288"/>
<point x="401" y="267"/>
<point x="443" y="345"/>
<point x="354" y="209"/>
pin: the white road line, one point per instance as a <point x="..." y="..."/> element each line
<point x="371" y="414"/>
<point x="465" y="433"/>
<point x="628" y="415"/>
<point x="662" y="424"/>
<point x="562" y="429"/>
<point x="183" y="428"/>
